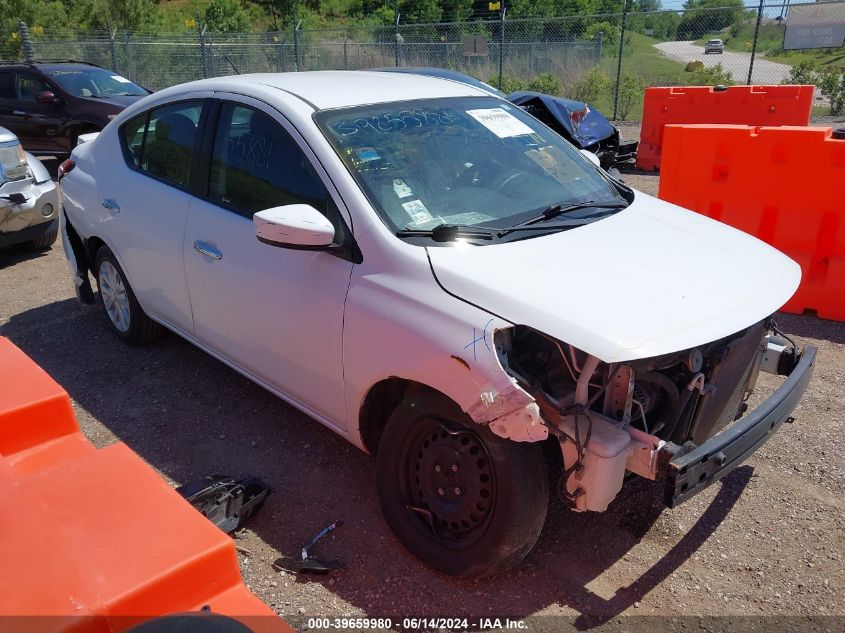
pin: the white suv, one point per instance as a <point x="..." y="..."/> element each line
<point x="443" y="280"/>
<point x="714" y="46"/>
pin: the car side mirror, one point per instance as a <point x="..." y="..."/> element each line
<point x="592" y="157"/>
<point x="294" y="226"/>
<point x="45" y="96"/>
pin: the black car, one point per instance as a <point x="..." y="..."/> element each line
<point x="49" y="104"/>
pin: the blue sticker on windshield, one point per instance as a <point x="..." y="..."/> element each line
<point x="368" y="154"/>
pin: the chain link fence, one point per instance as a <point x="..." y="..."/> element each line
<point x="605" y="60"/>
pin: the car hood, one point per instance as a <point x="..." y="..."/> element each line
<point x="649" y="280"/>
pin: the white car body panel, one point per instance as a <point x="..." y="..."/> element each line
<point x="631" y="286"/>
<point x="320" y="331"/>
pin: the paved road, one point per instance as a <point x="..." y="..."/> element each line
<point x="765" y="72"/>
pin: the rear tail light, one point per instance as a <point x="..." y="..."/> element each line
<point x="65" y="168"/>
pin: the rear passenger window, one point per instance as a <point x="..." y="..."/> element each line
<point x="133" y="139"/>
<point x="256" y="165"/>
<point x="7" y="87"/>
<point x="161" y="142"/>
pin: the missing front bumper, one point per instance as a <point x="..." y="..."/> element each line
<point x="688" y="472"/>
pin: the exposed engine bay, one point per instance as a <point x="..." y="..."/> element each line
<point x="615" y="418"/>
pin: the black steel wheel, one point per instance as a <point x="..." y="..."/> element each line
<point x="461" y="499"/>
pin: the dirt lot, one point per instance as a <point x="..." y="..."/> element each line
<point x="767" y="540"/>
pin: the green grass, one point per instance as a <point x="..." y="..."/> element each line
<point x="641" y="58"/>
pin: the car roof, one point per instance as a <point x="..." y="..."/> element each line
<point x="327" y="89"/>
<point x="443" y="73"/>
<point x="47" y="65"/>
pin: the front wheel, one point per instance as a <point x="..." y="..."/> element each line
<point x="126" y="317"/>
<point x="463" y="500"/>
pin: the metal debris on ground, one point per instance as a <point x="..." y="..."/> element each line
<point x="307" y="564"/>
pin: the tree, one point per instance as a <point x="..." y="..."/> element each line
<point x="227" y="16"/>
<point x="708" y="16"/>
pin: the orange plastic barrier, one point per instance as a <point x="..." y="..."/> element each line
<point x="780" y="184"/>
<point x="95" y="539"/>
<point x="739" y="105"/>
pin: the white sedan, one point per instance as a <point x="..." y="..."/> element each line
<point x="443" y="280"/>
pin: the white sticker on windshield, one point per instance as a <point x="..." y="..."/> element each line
<point x="502" y="123"/>
<point x="401" y="188"/>
<point x="416" y="209"/>
<point x="122" y="80"/>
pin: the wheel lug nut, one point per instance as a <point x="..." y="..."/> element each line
<point x="457" y="491"/>
<point x="441" y="492"/>
<point x="454" y="468"/>
<point x="437" y="468"/>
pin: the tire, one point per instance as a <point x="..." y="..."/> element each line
<point x="477" y="516"/>
<point x="43" y="242"/>
<point x="127" y="319"/>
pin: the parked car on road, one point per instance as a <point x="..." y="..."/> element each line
<point x="580" y="124"/>
<point x="49" y="104"/>
<point x="444" y="281"/>
<point x="29" y="204"/>
<point x="714" y="46"/>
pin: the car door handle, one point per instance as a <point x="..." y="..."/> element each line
<point x="111" y="205"/>
<point x="208" y="250"/>
<point x="19" y="113"/>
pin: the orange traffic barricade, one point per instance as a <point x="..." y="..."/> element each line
<point x="739" y="105"/>
<point x="780" y="184"/>
<point x="94" y="540"/>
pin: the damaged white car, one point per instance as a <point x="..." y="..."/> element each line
<point x="29" y="203"/>
<point x="446" y="282"/>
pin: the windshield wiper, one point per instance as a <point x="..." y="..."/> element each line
<point x="448" y="233"/>
<point x="555" y="210"/>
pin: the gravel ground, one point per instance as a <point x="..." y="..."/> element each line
<point x="767" y="540"/>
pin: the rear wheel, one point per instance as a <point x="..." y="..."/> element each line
<point x="43" y="242"/>
<point x="125" y="315"/>
<point x="461" y="499"/>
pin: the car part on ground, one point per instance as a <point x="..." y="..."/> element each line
<point x="582" y="125"/>
<point x="29" y="201"/>
<point x="487" y="292"/>
<point x="225" y="501"/>
<point x="305" y="563"/>
<point x="49" y="104"/>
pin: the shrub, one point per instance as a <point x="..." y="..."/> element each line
<point x="710" y="76"/>
<point x="631" y="90"/>
<point x="592" y="86"/>
<point x="829" y="80"/>
<point x="609" y="32"/>
<point x="803" y="73"/>
<point x="831" y="83"/>
<point x="546" y="83"/>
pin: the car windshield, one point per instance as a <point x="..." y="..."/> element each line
<point x="460" y="161"/>
<point x="13" y="165"/>
<point x="95" y="82"/>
